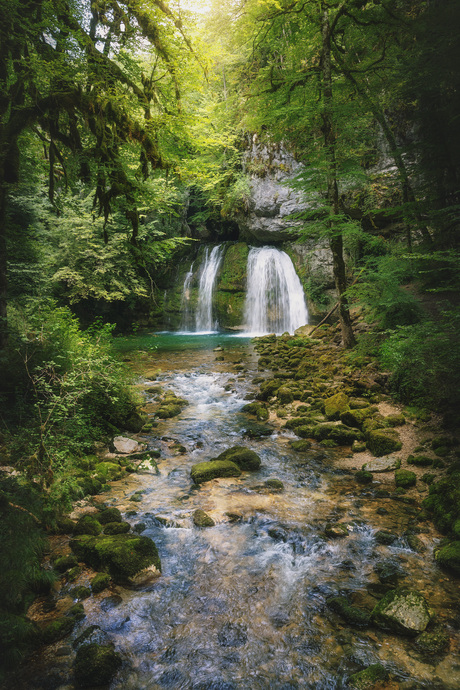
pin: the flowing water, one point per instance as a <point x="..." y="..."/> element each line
<point x="242" y="605"/>
<point x="275" y="301"/>
<point x="208" y="273"/>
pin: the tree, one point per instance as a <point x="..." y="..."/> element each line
<point x="69" y="77"/>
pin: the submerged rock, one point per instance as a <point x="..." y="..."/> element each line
<point x="202" y="519"/>
<point x="334" y="531"/>
<point x="233" y="635"/>
<point x="402" y="611"/>
<point x="368" y="677"/>
<point x="351" y="614"/>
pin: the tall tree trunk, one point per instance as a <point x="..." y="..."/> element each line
<point x="335" y="237"/>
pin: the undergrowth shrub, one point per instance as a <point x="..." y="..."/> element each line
<point x="424" y="360"/>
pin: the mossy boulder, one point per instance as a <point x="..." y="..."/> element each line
<point x="395" y="420"/>
<point x="405" y="478"/>
<point x="403" y="611"/>
<point x="96" y="665"/>
<point x="364" y="477"/>
<point x="202" y="519"/>
<point x="433" y="642"/>
<point x="258" y="409"/>
<point x="355" y="418"/>
<point x="100" y="582"/>
<point x="245" y="458"/>
<point x="63" y="563"/>
<point x="90" y="486"/>
<point x="341" y="434"/>
<point x="168" y="411"/>
<point x="383" y="441"/>
<point x="448" y="557"/>
<point x="419" y="460"/>
<point x="87" y="524"/>
<point x="121" y="555"/>
<point x="335" y="531"/>
<point x="372" y="676"/>
<point x="109" y="515"/>
<point x="443" y="502"/>
<point x="117" y="528"/>
<point x="336" y="405"/>
<point x="58" y="629"/>
<point x="285" y="395"/>
<point x="269" y="388"/>
<point x="213" y="469"/>
<point x="300" y="446"/>
<point x="351" y="614"/>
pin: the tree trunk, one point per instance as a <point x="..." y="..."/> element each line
<point x="335" y="237"/>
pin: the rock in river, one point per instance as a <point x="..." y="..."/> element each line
<point x="403" y="611"/>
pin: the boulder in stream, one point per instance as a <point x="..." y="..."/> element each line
<point x="213" y="469"/>
<point x="245" y="458"/>
<point x="125" y="445"/>
<point x="202" y="519"/>
<point x="368" y="678"/>
<point x="96" y="664"/>
<point x="121" y="555"/>
<point x="402" y="611"/>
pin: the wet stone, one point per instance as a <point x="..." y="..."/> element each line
<point x="388" y="463"/>
<point x="232" y="635"/>
<point x="111" y="602"/>
<point x="402" y="610"/>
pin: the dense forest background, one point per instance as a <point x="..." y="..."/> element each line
<point x="123" y="131"/>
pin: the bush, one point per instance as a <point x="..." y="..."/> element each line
<point x="424" y="362"/>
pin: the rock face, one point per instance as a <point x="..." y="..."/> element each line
<point x="403" y="611"/>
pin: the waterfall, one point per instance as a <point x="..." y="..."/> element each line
<point x="275" y="301"/>
<point x="208" y="275"/>
<point x="186" y="323"/>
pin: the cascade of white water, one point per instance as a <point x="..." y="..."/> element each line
<point x="208" y="275"/>
<point x="186" y="323"/>
<point x="275" y="301"/>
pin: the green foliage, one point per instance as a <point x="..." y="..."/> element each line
<point x="424" y="360"/>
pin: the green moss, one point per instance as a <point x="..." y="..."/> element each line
<point x="336" y="405"/>
<point x="405" y="478"/>
<point x="87" y="524"/>
<point x="64" y="563"/>
<point x="258" y="409"/>
<point x="58" y="629"/>
<point x="168" y="411"/>
<point x="419" y="460"/>
<point x="364" y="477"/>
<point x="100" y="582"/>
<point x="339" y="433"/>
<point x="109" y="470"/>
<point x="117" y="528"/>
<point x="274" y="485"/>
<point x="121" y="555"/>
<point x="383" y="441"/>
<point x="233" y="272"/>
<point x="77" y="611"/>
<point x="269" y="388"/>
<point x="96" y="665"/>
<point x="395" y="420"/>
<point x="245" y="458"/>
<point x="443" y="503"/>
<point x="202" y="519"/>
<point x="205" y="471"/>
<point x="448" y="557"/>
<point x="351" y="614"/>
<point x="109" y="515"/>
<point x="80" y="592"/>
<point x="366" y="679"/>
<point x="434" y="642"/>
<point x="300" y="446"/>
<point x="402" y="611"/>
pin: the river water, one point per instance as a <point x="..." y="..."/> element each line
<point x="242" y="605"/>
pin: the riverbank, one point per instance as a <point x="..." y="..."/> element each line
<point x="280" y="591"/>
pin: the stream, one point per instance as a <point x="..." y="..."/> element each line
<point x="242" y="605"/>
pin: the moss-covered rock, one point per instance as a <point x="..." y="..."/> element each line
<point x="443" y="502"/>
<point x="258" y="409"/>
<point x="402" y="611"/>
<point x="87" y="524"/>
<point x="383" y="441"/>
<point x="96" y="665"/>
<point x="274" y="485"/>
<point x="385" y="538"/>
<point x="300" y="446"/>
<point x="395" y="420"/>
<point x="168" y="411"/>
<point x="58" y="629"/>
<point x="336" y="530"/>
<point x="117" y="528"/>
<point x="351" y="614"/>
<point x="448" y="557"/>
<point x="63" y="563"/>
<point x="368" y="678"/>
<point x="109" y="515"/>
<point x="355" y="418"/>
<point x="202" y="519"/>
<point x="419" y="460"/>
<point x="100" y="582"/>
<point x="245" y="458"/>
<point x="269" y="388"/>
<point x="405" y="478"/>
<point x="433" y="642"/>
<point x="213" y="469"/>
<point x="81" y="592"/>
<point x="336" y="405"/>
<point x="341" y="434"/>
<point x="121" y="555"/>
<point x="364" y="477"/>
